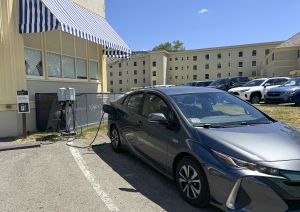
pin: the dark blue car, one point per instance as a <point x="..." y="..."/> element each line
<point x="289" y="92"/>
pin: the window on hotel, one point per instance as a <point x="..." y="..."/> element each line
<point x="33" y="62"/>
<point x="154" y="73"/>
<point x="120" y="65"/>
<point x="253" y="73"/>
<point x="68" y="67"/>
<point x="240" y="64"/>
<point x="206" y="66"/>
<point x="240" y="74"/>
<point x="54" y="65"/>
<point x="135" y="72"/>
<point x="253" y="52"/>
<point x="144" y="80"/>
<point x="194" y="77"/>
<point x="241" y="54"/>
<point x="195" y="58"/>
<point x="207" y="57"/>
<point x="134" y="63"/>
<point x="273" y="57"/>
<point x="206" y="76"/>
<point x="195" y="67"/>
<point x="111" y="82"/>
<point x="120" y="73"/>
<point x="267" y="51"/>
<point x="135" y="81"/>
<point x="219" y="75"/>
<point x="154" y="63"/>
<point x="120" y="82"/>
<point x="111" y="74"/>
<point x="219" y="56"/>
<point x="94" y="70"/>
<point x="254" y="63"/>
<point x="219" y="66"/>
<point x="298" y="53"/>
<point x="154" y="82"/>
<point x="81" y="68"/>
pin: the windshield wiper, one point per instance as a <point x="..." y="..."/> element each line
<point x="255" y="122"/>
<point x="207" y="126"/>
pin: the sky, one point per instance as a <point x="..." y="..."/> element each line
<point x="144" y="24"/>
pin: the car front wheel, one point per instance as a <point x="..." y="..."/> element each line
<point x="192" y="183"/>
<point x="255" y="98"/>
<point x="115" y="139"/>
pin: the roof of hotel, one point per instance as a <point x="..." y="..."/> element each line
<point x="292" y="42"/>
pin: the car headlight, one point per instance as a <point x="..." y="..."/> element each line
<point x="240" y="164"/>
<point x="244" y="90"/>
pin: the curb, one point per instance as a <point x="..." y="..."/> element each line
<point x="20" y="146"/>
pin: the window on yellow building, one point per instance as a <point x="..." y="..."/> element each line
<point x="94" y="70"/>
<point x="33" y="62"/>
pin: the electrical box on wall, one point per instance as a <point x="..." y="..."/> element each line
<point x="66" y="94"/>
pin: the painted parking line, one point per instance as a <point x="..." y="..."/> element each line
<point x="91" y="179"/>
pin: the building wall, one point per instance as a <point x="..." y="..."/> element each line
<point x="180" y="65"/>
<point x="11" y="66"/>
<point x="281" y="62"/>
<point x="96" y="6"/>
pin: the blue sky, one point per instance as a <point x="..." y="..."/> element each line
<point x="203" y="23"/>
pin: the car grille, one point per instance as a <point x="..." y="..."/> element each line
<point x="273" y="94"/>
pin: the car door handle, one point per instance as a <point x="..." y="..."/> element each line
<point x="139" y="123"/>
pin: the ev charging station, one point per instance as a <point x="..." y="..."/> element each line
<point x="66" y="98"/>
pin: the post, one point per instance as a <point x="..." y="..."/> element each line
<point x="24" y="125"/>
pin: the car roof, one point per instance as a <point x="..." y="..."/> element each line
<point x="183" y="90"/>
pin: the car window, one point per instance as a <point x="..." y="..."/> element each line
<point x="217" y="109"/>
<point x="271" y="81"/>
<point x="280" y="81"/>
<point x="135" y="102"/>
<point x="154" y="104"/>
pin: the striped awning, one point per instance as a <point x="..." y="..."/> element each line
<point x="48" y="15"/>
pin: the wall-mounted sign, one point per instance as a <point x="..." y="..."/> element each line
<point x="23" y="102"/>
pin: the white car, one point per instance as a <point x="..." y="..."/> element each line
<point x="255" y="90"/>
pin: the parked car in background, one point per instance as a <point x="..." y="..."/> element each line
<point x="255" y="90"/>
<point x="227" y="83"/>
<point x="289" y="92"/>
<point x="218" y="148"/>
<point x="199" y="83"/>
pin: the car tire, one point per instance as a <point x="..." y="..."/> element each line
<point x="255" y="98"/>
<point x="191" y="182"/>
<point x="115" y="140"/>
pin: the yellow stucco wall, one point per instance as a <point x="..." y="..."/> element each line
<point x="96" y="6"/>
<point x="12" y="74"/>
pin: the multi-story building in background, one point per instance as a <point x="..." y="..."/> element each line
<point x="162" y="67"/>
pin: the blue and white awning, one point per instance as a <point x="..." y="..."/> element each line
<point x="48" y="15"/>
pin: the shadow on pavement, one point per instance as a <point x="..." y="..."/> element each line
<point x="145" y="180"/>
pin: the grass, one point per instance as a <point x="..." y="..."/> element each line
<point x="90" y="132"/>
<point x="287" y="114"/>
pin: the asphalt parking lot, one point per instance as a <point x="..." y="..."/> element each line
<point x="57" y="177"/>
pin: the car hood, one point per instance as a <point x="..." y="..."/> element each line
<point x="243" y="88"/>
<point x="284" y="88"/>
<point x="263" y="142"/>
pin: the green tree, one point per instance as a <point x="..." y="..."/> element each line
<point x="167" y="46"/>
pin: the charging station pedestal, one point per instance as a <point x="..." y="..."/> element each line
<point x="66" y="98"/>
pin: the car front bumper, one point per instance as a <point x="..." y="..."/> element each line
<point x="242" y="95"/>
<point x="252" y="191"/>
<point x="280" y="98"/>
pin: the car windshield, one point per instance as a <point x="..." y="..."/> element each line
<point x="218" y="82"/>
<point x="253" y="83"/>
<point x="292" y="82"/>
<point x="218" y="109"/>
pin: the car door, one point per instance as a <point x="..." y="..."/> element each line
<point x="130" y="127"/>
<point x="156" y="137"/>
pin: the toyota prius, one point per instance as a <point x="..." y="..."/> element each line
<point x="218" y="148"/>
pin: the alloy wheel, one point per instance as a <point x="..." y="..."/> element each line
<point x="114" y="137"/>
<point x="189" y="181"/>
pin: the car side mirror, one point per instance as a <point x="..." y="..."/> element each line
<point x="157" y="118"/>
<point x="267" y="84"/>
<point x="108" y="109"/>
